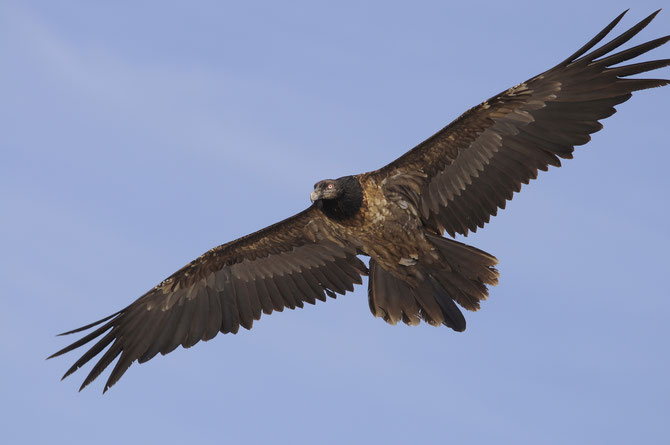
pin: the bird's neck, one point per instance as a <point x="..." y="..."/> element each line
<point x="348" y="204"/>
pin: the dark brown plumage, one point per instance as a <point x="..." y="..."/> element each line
<point x="454" y="181"/>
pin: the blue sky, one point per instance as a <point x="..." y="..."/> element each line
<point x="137" y="136"/>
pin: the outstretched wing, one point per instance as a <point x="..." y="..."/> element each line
<point x="460" y="176"/>
<point x="297" y="260"/>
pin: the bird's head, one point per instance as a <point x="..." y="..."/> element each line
<point x="326" y="189"/>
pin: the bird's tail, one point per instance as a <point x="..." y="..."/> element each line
<point x="462" y="278"/>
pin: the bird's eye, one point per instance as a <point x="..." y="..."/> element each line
<point x="330" y="186"/>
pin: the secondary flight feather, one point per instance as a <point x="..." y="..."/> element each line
<point x="454" y="181"/>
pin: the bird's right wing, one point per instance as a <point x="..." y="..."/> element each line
<point x="301" y="259"/>
<point x="463" y="174"/>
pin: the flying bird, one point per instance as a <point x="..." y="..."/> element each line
<point x="452" y="182"/>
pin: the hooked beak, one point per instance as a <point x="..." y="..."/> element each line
<point x="314" y="196"/>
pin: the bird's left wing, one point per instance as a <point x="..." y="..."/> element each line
<point x="460" y="176"/>
<point x="301" y="259"/>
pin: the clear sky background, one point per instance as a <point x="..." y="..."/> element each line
<point x="137" y="135"/>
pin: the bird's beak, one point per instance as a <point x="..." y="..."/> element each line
<point x="314" y="196"/>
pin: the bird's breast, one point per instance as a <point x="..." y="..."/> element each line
<point x="392" y="232"/>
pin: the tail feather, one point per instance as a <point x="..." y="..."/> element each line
<point x="391" y="298"/>
<point x="471" y="270"/>
<point x="463" y="280"/>
<point x="452" y="315"/>
<point x="394" y="300"/>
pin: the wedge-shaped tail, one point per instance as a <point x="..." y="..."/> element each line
<point x="462" y="278"/>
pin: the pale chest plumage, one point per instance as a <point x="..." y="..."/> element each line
<point x="394" y="234"/>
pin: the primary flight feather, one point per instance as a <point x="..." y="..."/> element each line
<point x="454" y="181"/>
